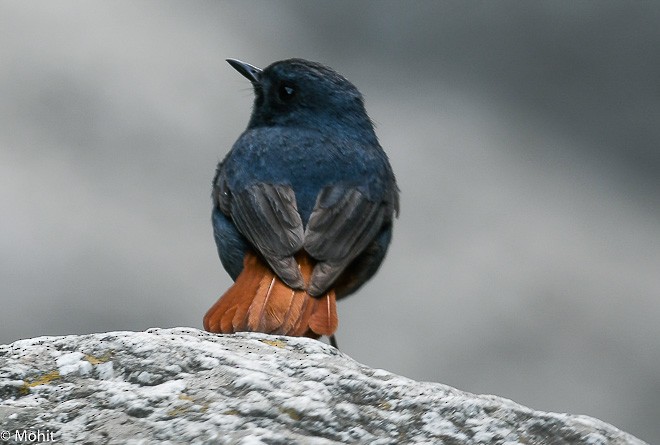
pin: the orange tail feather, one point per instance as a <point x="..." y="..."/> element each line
<point x="324" y="318"/>
<point x="259" y="301"/>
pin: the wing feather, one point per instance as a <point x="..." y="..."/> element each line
<point x="267" y="215"/>
<point x="344" y="221"/>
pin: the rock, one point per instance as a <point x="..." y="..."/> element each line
<point x="188" y="386"/>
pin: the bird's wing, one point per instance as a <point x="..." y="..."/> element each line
<point x="344" y="221"/>
<point x="267" y="215"/>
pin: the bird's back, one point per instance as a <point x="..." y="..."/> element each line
<point x="308" y="161"/>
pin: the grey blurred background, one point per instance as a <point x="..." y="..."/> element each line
<point x="525" y="137"/>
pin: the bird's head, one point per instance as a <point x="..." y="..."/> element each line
<point x="300" y="93"/>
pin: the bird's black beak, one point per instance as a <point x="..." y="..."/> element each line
<point x="252" y="73"/>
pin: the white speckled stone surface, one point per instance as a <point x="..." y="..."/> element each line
<point x="183" y="385"/>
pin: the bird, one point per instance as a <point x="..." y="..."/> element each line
<point x="303" y="203"/>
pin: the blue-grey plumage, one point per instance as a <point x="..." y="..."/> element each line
<point x="308" y="176"/>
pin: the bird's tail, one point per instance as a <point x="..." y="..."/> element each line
<point x="259" y="301"/>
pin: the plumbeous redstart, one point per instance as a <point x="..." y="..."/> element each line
<point x="302" y="204"/>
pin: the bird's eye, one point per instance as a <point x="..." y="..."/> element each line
<point x="286" y="92"/>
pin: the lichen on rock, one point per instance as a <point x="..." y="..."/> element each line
<point x="183" y="385"/>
